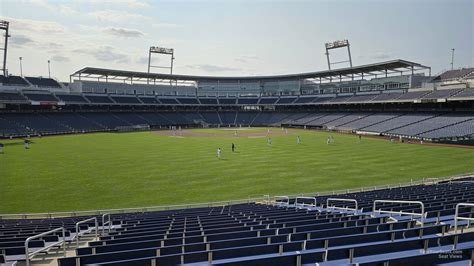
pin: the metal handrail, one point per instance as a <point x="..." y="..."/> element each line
<point x="457" y="217"/>
<point x="85" y="221"/>
<point x="304" y="204"/>
<point x="27" y="242"/>
<point x="282" y="197"/>
<point x="422" y="214"/>
<point x="344" y="200"/>
<point x="109" y="222"/>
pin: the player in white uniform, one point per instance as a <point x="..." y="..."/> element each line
<point x="219" y="153"/>
<point x="298" y="140"/>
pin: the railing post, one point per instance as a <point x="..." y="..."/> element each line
<point x="85" y="221"/>
<point x="27" y="242"/>
<point x="457" y="217"/>
<point x="343" y="200"/>
<point x="422" y="214"/>
<point x="109" y="222"/>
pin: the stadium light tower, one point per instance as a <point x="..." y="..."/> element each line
<point x="335" y="45"/>
<point x="4" y="26"/>
<point x="163" y="51"/>
<point x="452" y="59"/>
<point x="21" y="66"/>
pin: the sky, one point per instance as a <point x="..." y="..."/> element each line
<point x="234" y="37"/>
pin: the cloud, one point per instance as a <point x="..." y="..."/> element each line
<point x="60" y="58"/>
<point x="143" y="60"/>
<point x="50" y="45"/>
<point x="61" y="9"/>
<point x="165" y="25"/>
<point x="246" y="58"/>
<point x="123" y="32"/>
<point x="104" y="53"/>
<point x="20" y="40"/>
<point x="36" y="26"/>
<point x="136" y="4"/>
<point x="212" y="68"/>
<point x="118" y="16"/>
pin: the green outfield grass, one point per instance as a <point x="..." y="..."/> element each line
<point x="108" y="170"/>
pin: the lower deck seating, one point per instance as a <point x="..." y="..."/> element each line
<point x="273" y="234"/>
<point x="420" y="125"/>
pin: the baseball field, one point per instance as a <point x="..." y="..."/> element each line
<point x="121" y="170"/>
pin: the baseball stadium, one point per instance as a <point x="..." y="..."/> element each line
<point x="365" y="164"/>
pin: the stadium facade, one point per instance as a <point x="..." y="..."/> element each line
<point x="395" y="98"/>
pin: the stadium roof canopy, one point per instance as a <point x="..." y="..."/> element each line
<point x="378" y="69"/>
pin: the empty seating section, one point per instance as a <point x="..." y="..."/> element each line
<point x="387" y="96"/>
<point x="293" y="117"/>
<point x="13" y="234"/>
<point x="325" y="99"/>
<point x="98" y="99"/>
<point x="340" y="122"/>
<point x="465" y="93"/>
<point x="126" y="99"/>
<point x="41" y="97"/>
<point x="286" y="100"/>
<point x="413" y="95"/>
<point x="227" y="118"/>
<point x="368" y="121"/>
<point x="193" y="118"/>
<point x="362" y="98"/>
<point x="465" y="128"/>
<point x="75" y="122"/>
<point x="131" y="118"/>
<point x="268" y="100"/>
<point x="247" y="100"/>
<point x="455" y="74"/>
<point x="10" y="128"/>
<point x="114" y="99"/>
<point x="245" y="118"/>
<point x="273" y="234"/>
<point x="12" y="97"/>
<point x="208" y="101"/>
<point x="168" y="100"/>
<point x="36" y="123"/>
<point x="441" y="94"/>
<point x="177" y="118"/>
<point x="304" y="120"/>
<point x="430" y="124"/>
<point x="71" y="98"/>
<point x="227" y="100"/>
<point x="398" y="122"/>
<point x="304" y="99"/>
<point x="323" y="120"/>
<point x="211" y="118"/>
<point x="193" y="101"/>
<point x="426" y="125"/>
<point x="43" y="82"/>
<point x="155" y="119"/>
<point x="269" y="118"/>
<point x="106" y="120"/>
<point x="339" y="99"/>
<point x="148" y="100"/>
<point x="13" y="80"/>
